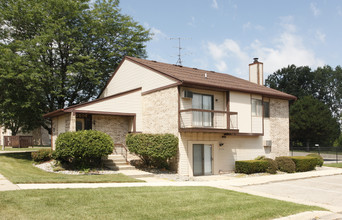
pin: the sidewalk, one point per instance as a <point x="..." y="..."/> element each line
<point x="215" y="181"/>
<point x="218" y="181"/>
<point x="6" y="185"/>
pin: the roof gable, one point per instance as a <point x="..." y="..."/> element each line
<point x="130" y="75"/>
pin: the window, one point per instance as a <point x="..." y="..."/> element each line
<point x="256" y="107"/>
<point x="199" y="118"/>
<point x="266" y="109"/>
<point x="83" y="122"/>
<point x="79" y="124"/>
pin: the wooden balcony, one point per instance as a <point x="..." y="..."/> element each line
<point x="201" y="120"/>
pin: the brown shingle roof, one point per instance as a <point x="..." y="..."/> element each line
<point x="194" y="76"/>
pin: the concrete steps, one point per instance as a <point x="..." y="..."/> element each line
<point x="118" y="163"/>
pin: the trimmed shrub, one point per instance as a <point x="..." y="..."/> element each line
<point x="272" y="166"/>
<point x="251" y="166"/>
<point x="304" y="163"/>
<point x="83" y="148"/>
<point x="320" y="159"/>
<point x="42" y="155"/>
<point x="286" y="164"/>
<point x="155" y="150"/>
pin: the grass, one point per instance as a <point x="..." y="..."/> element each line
<point x="338" y="165"/>
<point x="34" y="148"/>
<point x="18" y="168"/>
<point x="143" y="203"/>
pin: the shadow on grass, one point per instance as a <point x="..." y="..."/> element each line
<point x="20" y="156"/>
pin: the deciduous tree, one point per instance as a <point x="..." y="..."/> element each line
<point x="69" y="48"/>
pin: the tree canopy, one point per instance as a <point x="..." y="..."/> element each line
<point x="312" y="121"/>
<point x="61" y="52"/>
<point x="316" y="113"/>
<point x="324" y="84"/>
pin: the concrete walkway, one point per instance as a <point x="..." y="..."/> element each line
<point x="218" y="181"/>
<point x="6" y="185"/>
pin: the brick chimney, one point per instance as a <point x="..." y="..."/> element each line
<point x="256" y="72"/>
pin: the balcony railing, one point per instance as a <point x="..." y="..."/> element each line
<point x="211" y="120"/>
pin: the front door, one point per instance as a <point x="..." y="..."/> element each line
<point x="202" y="159"/>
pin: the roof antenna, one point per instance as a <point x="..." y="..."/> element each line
<point x="179" y="61"/>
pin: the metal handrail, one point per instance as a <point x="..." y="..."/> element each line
<point x="123" y="152"/>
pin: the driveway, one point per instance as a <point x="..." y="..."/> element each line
<point x="324" y="191"/>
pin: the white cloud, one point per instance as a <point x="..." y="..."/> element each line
<point x="286" y="48"/>
<point x="228" y="49"/>
<point x="314" y="9"/>
<point x="246" y="26"/>
<point x="320" y="36"/>
<point x="249" y="25"/>
<point x="157" y="34"/>
<point x="192" y="22"/>
<point x="214" y="4"/>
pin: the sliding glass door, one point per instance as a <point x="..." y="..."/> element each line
<point x="200" y="118"/>
<point x="202" y="159"/>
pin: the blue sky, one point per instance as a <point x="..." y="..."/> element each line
<point x="225" y="35"/>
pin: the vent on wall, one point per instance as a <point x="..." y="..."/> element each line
<point x="187" y="94"/>
<point x="267" y="143"/>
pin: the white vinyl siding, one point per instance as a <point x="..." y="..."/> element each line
<point x="128" y="103"/>
<point x="131" y="76"/>
<point x="241" y="103"/>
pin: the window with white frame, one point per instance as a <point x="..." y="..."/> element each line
<point x="256" y="107"/>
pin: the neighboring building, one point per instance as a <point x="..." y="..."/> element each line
<point x="217" y="117"/>
<point x="40" y="136"/>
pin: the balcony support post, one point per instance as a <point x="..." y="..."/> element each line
<point x="227" y="109"/>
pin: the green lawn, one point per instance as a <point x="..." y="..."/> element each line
<point x="338" y="165"/>
<point x="18" y="168"/>
<point x="143" y="203"/>
<point x="34" y="148"/>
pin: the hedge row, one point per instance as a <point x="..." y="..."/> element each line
<point x="285" y="164"/>
<point x="251" y="166"/>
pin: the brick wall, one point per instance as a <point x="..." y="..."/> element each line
<point x="279" y="127"/>
<point x="115" y="126"/>
<point x="160" y="111"/>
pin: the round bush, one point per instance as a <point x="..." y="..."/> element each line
<point x="83" y="148"/>
<point x="153" y="149"/>
<point x="272" y="166"/>
<point x="320" y="159"/>
<point x="286" y="164"/>
<point x="304" y="163"/>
